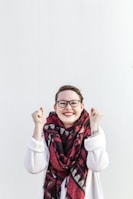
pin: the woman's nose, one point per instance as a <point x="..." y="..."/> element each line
<point x="68" y="106"/>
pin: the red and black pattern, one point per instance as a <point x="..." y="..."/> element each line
<point x="67" y="156"/>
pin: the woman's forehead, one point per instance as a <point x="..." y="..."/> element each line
<point x="68" y="95"/>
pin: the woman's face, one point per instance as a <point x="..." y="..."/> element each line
<point x="67" y="113"/>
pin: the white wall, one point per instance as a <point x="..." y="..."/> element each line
<point x="47" y="43"/>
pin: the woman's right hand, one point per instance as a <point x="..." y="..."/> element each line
<point x="38" y="116"/>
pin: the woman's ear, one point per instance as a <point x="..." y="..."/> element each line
<point x="54" y="107"/>
<point x="82" y="106"/>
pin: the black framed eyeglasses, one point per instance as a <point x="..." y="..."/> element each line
<point x="64" y="103"/>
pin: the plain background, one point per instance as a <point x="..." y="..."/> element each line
<point x="47" y="43"/>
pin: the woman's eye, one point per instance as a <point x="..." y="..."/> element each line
<point x="74" y="102"/>
<point x="63" y="103"/>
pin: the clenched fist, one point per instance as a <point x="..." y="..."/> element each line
<point x="95" y="117"/>
<point x="38" y="116"/>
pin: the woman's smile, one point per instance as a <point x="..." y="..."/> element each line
<point x="68" y="114"/>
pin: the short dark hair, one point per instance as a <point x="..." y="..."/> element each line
<point x="69" y="87"/>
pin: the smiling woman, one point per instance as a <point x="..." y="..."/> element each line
<point x="71" y="150"/>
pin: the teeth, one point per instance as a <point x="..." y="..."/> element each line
<point x="68" y="114"/>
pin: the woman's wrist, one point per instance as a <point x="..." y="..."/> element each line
<point x="37" y="134"/>
<point x="94" y="127"/>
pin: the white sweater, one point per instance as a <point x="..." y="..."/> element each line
<point x="37" y="159"/>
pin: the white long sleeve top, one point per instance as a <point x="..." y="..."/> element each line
<point x="37" y="159"/>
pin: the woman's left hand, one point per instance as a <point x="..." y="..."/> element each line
<point x="95" y="117"/>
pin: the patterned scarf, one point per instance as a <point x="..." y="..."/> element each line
<point x="67" y="157"/>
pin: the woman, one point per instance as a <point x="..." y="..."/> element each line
<point x="70" y="148"/>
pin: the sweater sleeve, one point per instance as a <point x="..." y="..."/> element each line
<point x="97" y="158"/>
<point x="36" y="156"/>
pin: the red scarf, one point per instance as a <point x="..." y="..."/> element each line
<point x="67" y="156"/>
